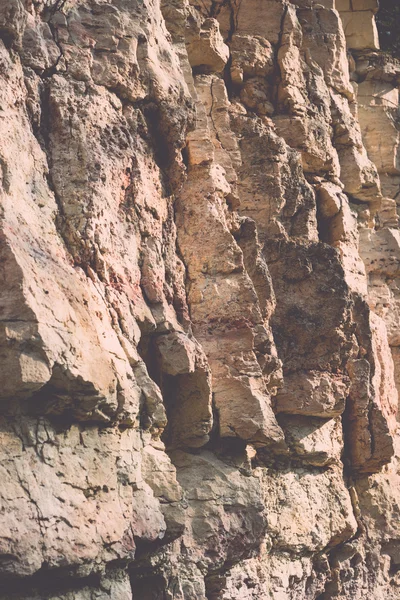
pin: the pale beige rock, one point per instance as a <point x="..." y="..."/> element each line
<point x="256" y="95"/>
<point x="315" y="441"/>
<point x="273" y="192"/>
<point x="360" y="29"/>
<point x="302" y="516"/>
<point x="381" y="252"/>
<point x="160" y="474"/>
<point x="205" y="47"/>
<point x="114" y="585"/>
<point x="251" y="56"/>
<point x="291" y="91"/>
<point x="260" y="18"/>
<point x="373" y="403"/>
<point x="378" y="100"/>
<point x="61" y="330"/>
<point x="237" y="378"/>
<point x="213" y="97"/>
<point x="178" y="353"/>
<point x="338" y="227"/>
<point x="75" y="497"/>
<point x="198" y="213"/>
<point x="314" y="394"/>
<point x="383" y="377"/>
<point x="305" y="135"/>
<point x="214" y="490"/>
<point x="284" y="578"/>
<point x="358" y="174"/>
<point x="324" y="42"/>
<point x="378" y="103"/>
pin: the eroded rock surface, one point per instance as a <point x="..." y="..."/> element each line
<point x="199" y="301"/>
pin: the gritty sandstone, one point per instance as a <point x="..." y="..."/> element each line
<point x="199" y="301"/>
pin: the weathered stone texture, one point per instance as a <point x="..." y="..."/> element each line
<point x="199" y="301"/>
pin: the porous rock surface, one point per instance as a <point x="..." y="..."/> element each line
<point x="199" y="301"/>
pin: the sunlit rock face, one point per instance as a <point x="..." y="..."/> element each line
<point x="199" y="301"/>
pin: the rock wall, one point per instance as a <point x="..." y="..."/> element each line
<point x="199" y="301"/>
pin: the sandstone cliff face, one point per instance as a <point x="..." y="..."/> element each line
<point x="199" y="301"/>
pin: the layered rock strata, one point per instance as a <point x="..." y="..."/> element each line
<point x="199" y="301"/>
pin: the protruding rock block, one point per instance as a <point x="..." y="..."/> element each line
<point x="317" y="442"/>
<point x="360" y="29"/>
<point x="370" y="423"/>
<point x="251" y="57"/>
<point x="313" y="393"/>
<point x="205" y="47"/>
